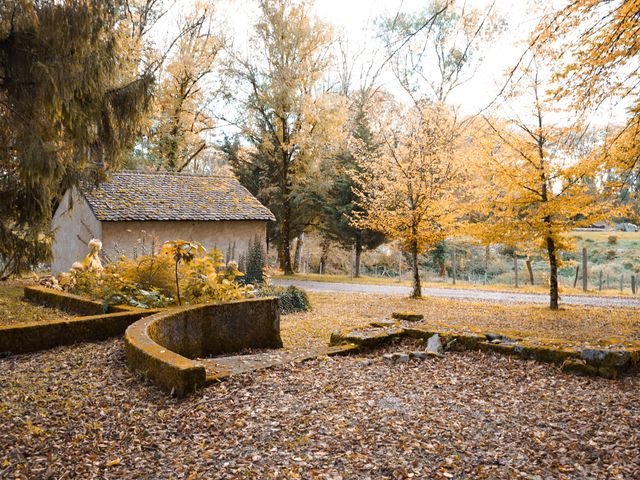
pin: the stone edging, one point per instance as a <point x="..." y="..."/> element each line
<point x="34" y="336"/>
<point x="607" y="363"/>
<point x="70" y="303"/>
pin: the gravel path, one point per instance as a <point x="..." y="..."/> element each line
<point x="462" y="294"/>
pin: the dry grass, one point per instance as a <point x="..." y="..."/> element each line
<point x="573" y="324"/>
<point x="13" y="309"/>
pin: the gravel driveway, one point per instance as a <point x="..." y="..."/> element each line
<point x="462" y="294"/>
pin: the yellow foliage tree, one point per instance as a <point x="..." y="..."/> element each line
<point x="407" y="188"/>
<point x="538" y="184"/>
<point x="182" y="115"/>
<point x="594" y="44"/>
<point x="286" y="112"/>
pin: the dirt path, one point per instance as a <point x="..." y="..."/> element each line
<point x="462" y="294"/>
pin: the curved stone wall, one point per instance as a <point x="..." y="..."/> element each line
<point x="164" y="347"/>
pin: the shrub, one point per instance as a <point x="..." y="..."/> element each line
<point x="149" y="281"/>
<point x="610" y="254"/>
<point x="291" y="299"/>
<point x="209" y="279"/>
<point x="612" y="239"/>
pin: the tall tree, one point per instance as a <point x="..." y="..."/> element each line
<point x="339" y="201"/>
<point x="407" y="188"/>
<point x="539" y="187"/>
<point x="68" y="108"/>
<point x="182" y="118"/>
<point x="291" y="123"/>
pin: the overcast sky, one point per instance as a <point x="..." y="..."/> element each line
<point x="354" y="19"/>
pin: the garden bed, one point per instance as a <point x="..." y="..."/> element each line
<point x="96" y="321"/>
<point x="14" y="309"/>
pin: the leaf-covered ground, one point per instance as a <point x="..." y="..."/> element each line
<point x="15" y="310"/>
<point x="572" y="324"/>
<point x="77" y="412"/>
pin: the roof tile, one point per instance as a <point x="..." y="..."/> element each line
<point x="130" y="196"/>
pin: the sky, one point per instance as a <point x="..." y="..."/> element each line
<point x="354" y="19"/>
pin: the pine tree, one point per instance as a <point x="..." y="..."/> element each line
<point x="68" y="110"/>
<point x="339" y="201"/>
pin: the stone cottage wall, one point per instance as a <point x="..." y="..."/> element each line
<point x="73" y="225"/>
<point x="124" y="238"/>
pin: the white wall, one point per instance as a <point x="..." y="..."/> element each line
<point x="123" y="238"/>
<point x="73" y="225"/>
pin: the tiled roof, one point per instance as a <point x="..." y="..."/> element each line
<point x="173" y="196"/>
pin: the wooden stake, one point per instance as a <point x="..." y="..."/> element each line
<point x="585" y="272"/>
<point x="453" y="265"/>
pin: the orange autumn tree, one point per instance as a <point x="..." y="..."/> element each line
<point x="407" y="186"/>
<point x="595" y="50"/>
<point x="539" y="184"/>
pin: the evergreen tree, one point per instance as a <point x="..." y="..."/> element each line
<point x="339" y="202"/>
<point x="68" y="110"/>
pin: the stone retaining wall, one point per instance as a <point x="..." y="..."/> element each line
<point x="34" y="336"/>
<point x="609" y="363"/>
<point x="67" y="302"/>
<point x="165" y="346"/>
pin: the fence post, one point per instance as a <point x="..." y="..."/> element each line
<point x="633" y="284"/>
<point x="453" y="265"/>
<point x="621" y="282"/>
<point x="585" y="272"/>
<point x="575" y="279"/>
<point x="515" y="266"/>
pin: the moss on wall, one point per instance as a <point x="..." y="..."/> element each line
<point x="31" y="337"/>
<point x="70" y="303"/>
<point x="162" y="347"/>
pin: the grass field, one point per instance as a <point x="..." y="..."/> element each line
<point x="15" y="310"/>
<point x="571" y="324"/>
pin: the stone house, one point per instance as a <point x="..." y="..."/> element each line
<point x="133" y="211"/>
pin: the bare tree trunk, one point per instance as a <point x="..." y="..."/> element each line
<point x="453" y="265"/>
<point x="553" y="277"/>
<point x="297" y="256"/>
<point x="487" y="252"/>
<point x="585" y="271"/>
<point x="285" y="239"/>
<point x="358" y="249"/>
<point x="324" y="254"/>
<point x="529" y="269"/>
<point x="417" y="288"/>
